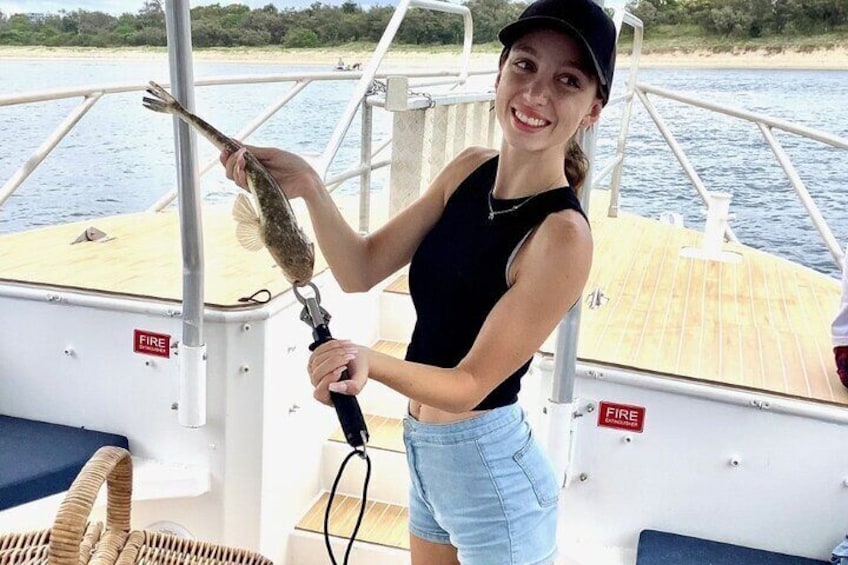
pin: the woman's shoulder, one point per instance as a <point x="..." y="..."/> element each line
<point x="567" y="227"/>
<point x="569" y="223"/>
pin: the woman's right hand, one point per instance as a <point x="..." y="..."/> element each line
<point x="328" y="362"/>
<point x="294" y="175"/>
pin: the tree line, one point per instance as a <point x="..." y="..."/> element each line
<point x="747" y="18"/>
<point x="322" y="25"/>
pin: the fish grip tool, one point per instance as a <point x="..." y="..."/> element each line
<point x="347" y="410"/>
<point x="347" y="407"/>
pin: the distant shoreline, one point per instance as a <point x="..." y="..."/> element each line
<point x="819" y="59"/>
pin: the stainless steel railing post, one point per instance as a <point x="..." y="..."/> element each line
<point x="192" y="349"/>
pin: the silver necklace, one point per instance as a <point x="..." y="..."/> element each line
<point x="493" y="212"/>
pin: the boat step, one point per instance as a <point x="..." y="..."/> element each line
<point x="389" y="473"/>
<point x="399" y="286"/>
<point x="386" y="433"/>
<point x="381" y="400"/>
<point x="397" y="313"/>
<point x="383" y="410"/>
<point x="394" y="348"/>
<point x="382" y="524"/>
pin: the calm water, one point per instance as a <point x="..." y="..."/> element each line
<point x="120" y="158"/>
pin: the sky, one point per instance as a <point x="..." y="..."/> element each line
<point x="118" y="7"/>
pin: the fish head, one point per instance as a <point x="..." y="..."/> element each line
<point x="298" y="267"/>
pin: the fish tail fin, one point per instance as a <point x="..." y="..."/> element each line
<point x="162" y="100"/>
<point x="155" y="105"/>
<point x="159" y="92"/>
<point x="247" y="228"/>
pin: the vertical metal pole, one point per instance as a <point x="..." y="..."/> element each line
<point x="559" y="410"/>
<point x="615" y="182"/>
<point x="192" y="401"/>
<point x="365" y="159"/>
<point x="565" y="355"/>
<point x="560" y="432"/>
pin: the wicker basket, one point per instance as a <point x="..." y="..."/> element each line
<point x="74" y="541"/>
<point x="31" y="548"/>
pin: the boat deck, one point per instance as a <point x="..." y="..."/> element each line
<point x="762" y="323"/>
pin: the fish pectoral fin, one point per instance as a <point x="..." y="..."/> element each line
<point x="247" y="228"/>
<point x="243" y="210"/>
<point x="248" y="236"/>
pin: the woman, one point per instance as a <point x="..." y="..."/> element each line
<point x="499" y="250"/>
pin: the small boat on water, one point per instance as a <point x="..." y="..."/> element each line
<point x="341" y="66"/>
<point x="690" y="402"/>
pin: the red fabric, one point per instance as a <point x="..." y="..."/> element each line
<point x="840" y="354"/>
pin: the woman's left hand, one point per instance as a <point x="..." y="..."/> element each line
<point x="327" y="363"/>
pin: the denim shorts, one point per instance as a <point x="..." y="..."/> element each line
<point x="485" y="486"/>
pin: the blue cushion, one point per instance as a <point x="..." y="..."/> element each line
<point x="38" y="459"/>
<point x="661" y="548"/>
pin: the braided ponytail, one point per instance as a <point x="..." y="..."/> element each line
<point x="576" y="165"/>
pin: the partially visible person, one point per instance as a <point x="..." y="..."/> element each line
<point x="499" y="249"/>
<point x="839" y="328"/>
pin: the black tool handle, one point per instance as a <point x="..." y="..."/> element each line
<point x="347" y="407"/>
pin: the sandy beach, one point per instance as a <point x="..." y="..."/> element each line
<point x="824" y="59"/>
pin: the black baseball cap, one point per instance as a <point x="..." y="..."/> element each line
<point x="583" y="20"/>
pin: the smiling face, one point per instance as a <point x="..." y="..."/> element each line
<point x="545" y="90"/>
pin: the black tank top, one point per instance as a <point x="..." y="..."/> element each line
<point x="459" y="271"/>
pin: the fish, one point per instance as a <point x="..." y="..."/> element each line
<point x="271" y="223"/>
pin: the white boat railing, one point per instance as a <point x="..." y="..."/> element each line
<point x="765" y="123"/>
<point x="370" y="70"/>
<point x="92" y="95"/>
<point x="623" y="17"/>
